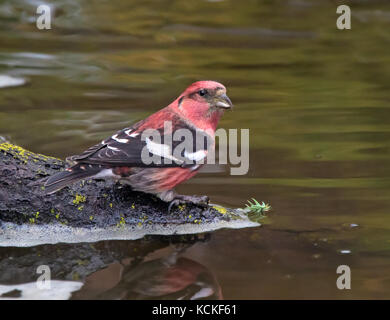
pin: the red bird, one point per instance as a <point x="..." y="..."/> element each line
<point x="121" y="157"/>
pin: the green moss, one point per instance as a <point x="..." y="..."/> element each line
<point x="256" y="210"/>
<point x="121" y="222"/>
<point x="80" y="208"/>
<point x="82" y="262"/>
<point x="23" y="154"/>
<point x="79" y="199"/>
<point x="197" y="221"/>
<point x="220" y="209"/>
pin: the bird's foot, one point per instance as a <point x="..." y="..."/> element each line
<point x="183" y="199"/>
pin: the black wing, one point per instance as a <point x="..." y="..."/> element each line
<point x="131" y="147"/>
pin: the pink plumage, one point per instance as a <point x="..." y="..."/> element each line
<point x="198" y="110"/>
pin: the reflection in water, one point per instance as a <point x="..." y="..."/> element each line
<point x="58" y="290"/>
<point x="170" y="277"/>
<point x="144" y="269"/>
<point x="7" y="81"/>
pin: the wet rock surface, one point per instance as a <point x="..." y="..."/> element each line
<point x="91" y="203"/>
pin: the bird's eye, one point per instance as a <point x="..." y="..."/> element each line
<point x="202" y="92"/>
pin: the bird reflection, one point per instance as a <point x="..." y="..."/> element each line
<point x="170" y="277"/>
<point x="157" y="267"/>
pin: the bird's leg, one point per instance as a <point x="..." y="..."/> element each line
<point x="175" y="199"/>
<point x="198" y="200"/>
<point x="183" y="199"/>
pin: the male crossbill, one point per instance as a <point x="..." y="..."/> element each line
<point x="122" y="156"/>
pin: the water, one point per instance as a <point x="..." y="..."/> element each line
<point x="316" y="101"/>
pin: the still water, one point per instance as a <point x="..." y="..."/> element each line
<point x="316" y="100"/>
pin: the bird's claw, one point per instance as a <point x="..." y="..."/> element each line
<point x="196" y="200"/>
<point x="173" y="203"/>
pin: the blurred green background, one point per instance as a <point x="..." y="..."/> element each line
<point x="316" y="100"/>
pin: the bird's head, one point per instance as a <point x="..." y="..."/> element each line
<point x="203" y="103"/>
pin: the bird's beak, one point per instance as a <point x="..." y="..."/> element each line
<point x="223" y="102"/>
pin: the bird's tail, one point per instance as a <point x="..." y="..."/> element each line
<point x="70" y="175"/>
